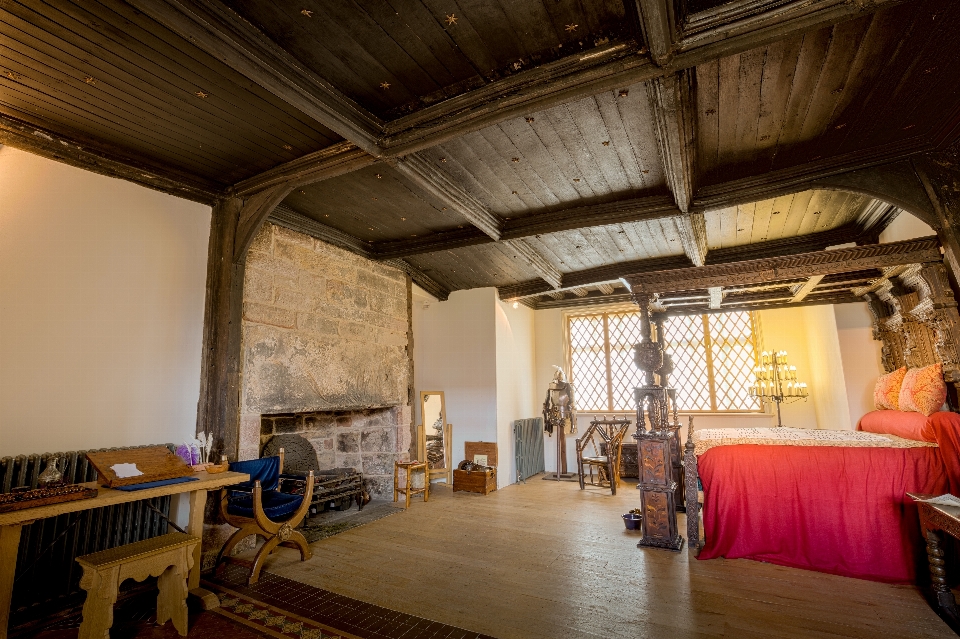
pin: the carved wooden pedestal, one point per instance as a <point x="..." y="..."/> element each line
<point x="657" y="490"/>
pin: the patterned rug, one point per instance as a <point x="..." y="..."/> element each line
<point x="270" y="620"/>
<point x="334" y="523"/>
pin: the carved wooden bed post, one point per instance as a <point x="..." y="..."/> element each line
<point x="690" y="491"/>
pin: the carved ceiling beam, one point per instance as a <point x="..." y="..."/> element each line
<point x="673" y="102"/>
<point x="611" y="273"/>
<point x="659" y="25"/>
<point x="623" y="211"/>
<point x="218" y="30"/>
<point x="790" y="245"/>
<point x="692" y="229"/>
<point x="308" y="169"/>
<point x="792" y="266"/>
<point x="806" y="288"/>
<point x="99" y="159"/>
<point x="547" y="271"/>
<point x="437" y="183"/>
<point x="813" y="300"/>
<point x="716" y="296"/>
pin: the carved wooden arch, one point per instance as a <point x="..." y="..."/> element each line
<point x="915" y="317"/>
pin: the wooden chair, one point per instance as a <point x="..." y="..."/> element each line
<point x="605" y="455"/>
<point x="258" y="508"/>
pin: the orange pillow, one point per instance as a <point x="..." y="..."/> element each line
<point x="899" y="423"/>
<point x="886" y="394"/>
<point x="923" y="390"/>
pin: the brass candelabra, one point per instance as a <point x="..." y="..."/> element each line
<point x="776" y="381"/>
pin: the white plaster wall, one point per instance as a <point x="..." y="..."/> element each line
<point x="454" y="351"/>
<point x="906" y="227"/>
<point x="101" y="309"/>
<point x="861" y="356"/>
<point x="828" y="385"/>
<point x="516" y="373"/>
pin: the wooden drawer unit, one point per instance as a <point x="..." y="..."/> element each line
<point x="475" y="482"/>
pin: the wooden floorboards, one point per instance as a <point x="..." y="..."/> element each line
<point x="546" y="560"/>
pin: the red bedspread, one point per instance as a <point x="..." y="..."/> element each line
<point x="837" y="510"/>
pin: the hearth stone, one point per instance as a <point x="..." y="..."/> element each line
<point x="368" y="440"/>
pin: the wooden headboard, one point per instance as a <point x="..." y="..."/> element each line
<point x="915" y="317"/>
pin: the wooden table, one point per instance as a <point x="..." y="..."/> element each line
<point x="12" y="522"/>
<point x="935" y="521"/>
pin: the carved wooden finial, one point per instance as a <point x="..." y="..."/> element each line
<point x="689" y="444"/>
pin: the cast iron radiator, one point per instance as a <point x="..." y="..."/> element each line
<point x="46" y="568"/>
<point x="529" y="437"/>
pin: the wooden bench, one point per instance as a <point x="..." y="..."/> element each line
<point x="168" y="557"/>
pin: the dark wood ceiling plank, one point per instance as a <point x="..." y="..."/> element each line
<point x="845" y="44"/>
<point x="21" y="101"/>
<point x="745" y="216"/>
<point x="132" y="70"/>
<point x="728" y="108"/>
<point x="593" y="132"/>
<point x="565" y="124"/>
<point x="639" y="123"/>
<point x="221" y="33"/>
<point x="105" y="161"/>
<point x="532" y="24"/>
<point x="427" y="176"/>
<point x="412" y="22"/>
<point x="430" y="243"/>
<point x="465" y="166"/>
<point x="748" y="103"/>
<point x="382" y="54"/>
<point x="547" y="134"/>
<point x="779" y="69"/>
<point x="463" y="36"/>
<point x="538" y="158"/>
<point x="626" y="210"/>
<point x="761" y="220"/>
<point x="497" y="34"/>
<point x="489" y="156"/>
<point x="708" y="117"/>
<point x="619" y="141"/>
<point x="536" y="262"/>
<point x="563" y="14"/>
<point x="128" y="27"/>
<point x="24" y="36"/>
<point x="561" y="245"/>
<point x="331" y="51"/>
<point x="802" y="265"/>
<point x="507" y="151"/>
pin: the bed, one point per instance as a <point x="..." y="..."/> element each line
<point x="831" y="501"/>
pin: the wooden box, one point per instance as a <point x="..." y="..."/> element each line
<point x="475" y="482"/>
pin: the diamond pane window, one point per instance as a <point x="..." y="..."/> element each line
<point x="713" y="357"/>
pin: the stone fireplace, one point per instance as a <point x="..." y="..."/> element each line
<point x="362" y="439"/>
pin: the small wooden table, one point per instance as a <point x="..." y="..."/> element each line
<point x="410" y="468"/>
<point x="12" y="522"/>
<point x="936" y="520"/>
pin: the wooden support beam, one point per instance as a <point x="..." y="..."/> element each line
<point x="547" y="271"/>
<point x="692" y="229"/>
<point x="218" y="30"/>
<point x="96" y="157"/>
<point x="659" y="24"/>
<point x="716" y="296"/>
<point x="732" y="307"/>
<point x="309" y="168"/>
<point x="421" y="279"/>
<point x="793" y="266"/>
<point x="672" y="99"/>
<point x="593" y="276"/>
<point x="606" y="289"/>
<point x="286" y="217"/>
<point x="437" y="183"/>
<point x="218" y="410"/>
<point x="806" y="288"/>
<point x="442" y="241"/>
<point x="256" y="209"/>
<point x="591" y="299"/>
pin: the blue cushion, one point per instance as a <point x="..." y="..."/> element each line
<point x="267" y="470"/>
<point x="277" y="506"/>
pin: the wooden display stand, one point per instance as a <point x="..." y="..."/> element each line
<point x="482" y="482"/>
<point x="155" y="463"/>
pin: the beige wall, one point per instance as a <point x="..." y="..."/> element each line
<point x="861" y="357"/>
<point x="101" y="309"/>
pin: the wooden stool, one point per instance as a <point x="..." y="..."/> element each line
<point x="410" y="468"/>
<point x="169" y="557"/>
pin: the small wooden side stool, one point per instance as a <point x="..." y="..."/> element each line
<point x="169" y="557"/>
<point x="410" y="468"/>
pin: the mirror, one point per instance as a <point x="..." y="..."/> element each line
<point x="434" y="435"/>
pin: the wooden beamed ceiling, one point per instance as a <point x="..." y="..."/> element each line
<point x="531" y="145"/>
